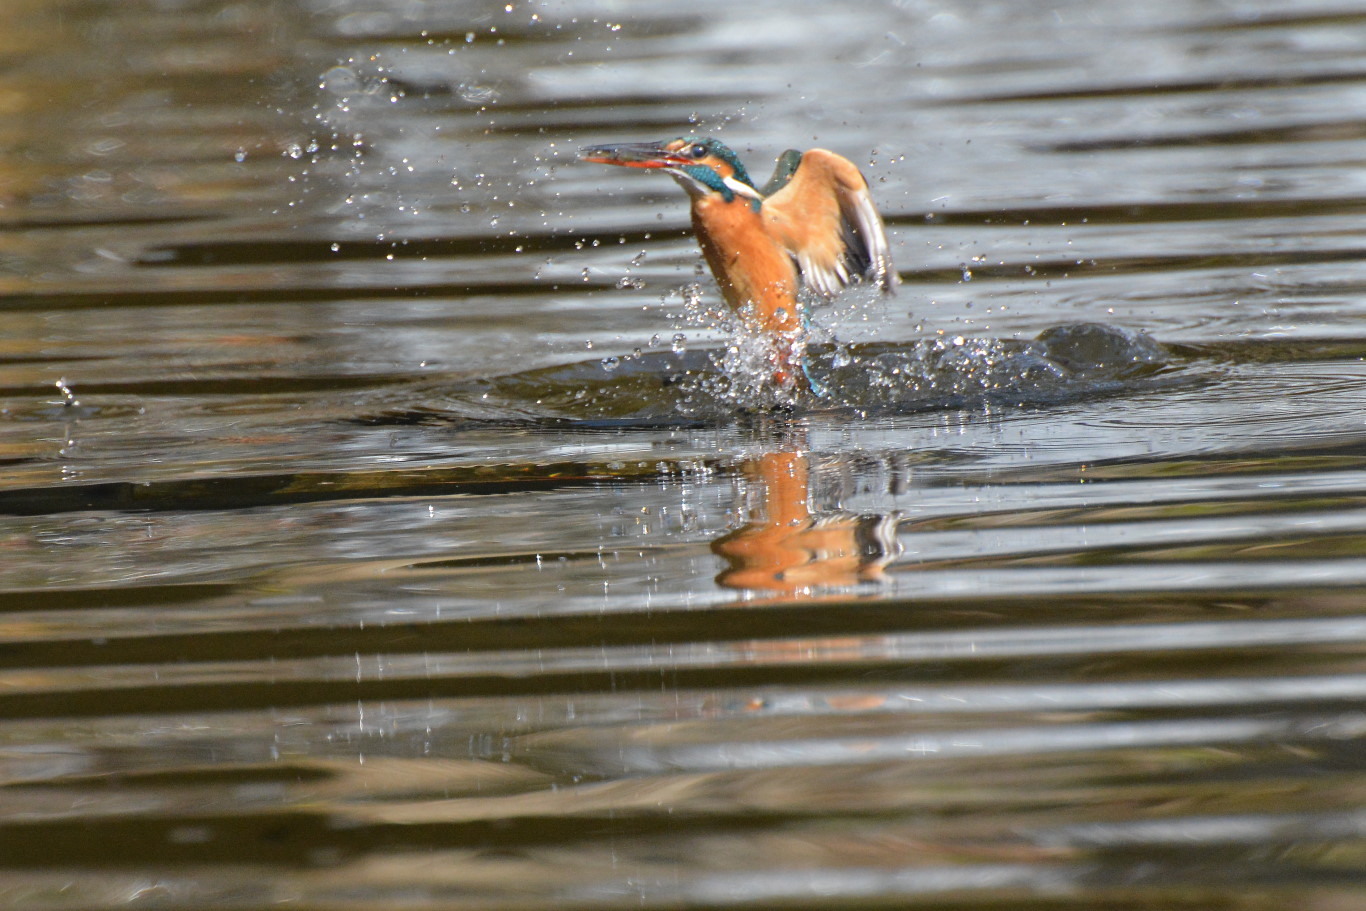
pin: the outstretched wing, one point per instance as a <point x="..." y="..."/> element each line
<point x="824" y="216"/>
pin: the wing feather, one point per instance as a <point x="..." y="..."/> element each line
<point x="825" y="218"/>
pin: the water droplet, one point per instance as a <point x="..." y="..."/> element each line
<point x="680" y="343"/>
<point x="340" y="80"/>
<point x="68" y="397"/>
<point x="294" y="150"/>
<point x="239" y="156"/>
<point x="611" y="363"/>
<point x="335" y="248"/>
<point x="477" y="94"/>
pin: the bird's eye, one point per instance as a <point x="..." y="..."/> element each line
<point x="698" y="151"/>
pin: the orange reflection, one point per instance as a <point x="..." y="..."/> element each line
<point x="785" y="547"/>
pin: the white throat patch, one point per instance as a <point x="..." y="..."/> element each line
<point x="740" y="188"/>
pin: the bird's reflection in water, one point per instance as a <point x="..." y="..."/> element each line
<point x="785" y="547"/>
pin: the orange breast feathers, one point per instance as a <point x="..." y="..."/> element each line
<point x="757" y="276"/>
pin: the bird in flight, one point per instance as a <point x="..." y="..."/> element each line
<point x="812" y="225"/>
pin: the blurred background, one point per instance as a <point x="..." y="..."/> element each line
<point x="378" y="528"/>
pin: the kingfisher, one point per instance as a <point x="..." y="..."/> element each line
<point x="813" y="225"/>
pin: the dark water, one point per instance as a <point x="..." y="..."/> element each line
<point x="383" y="523"/>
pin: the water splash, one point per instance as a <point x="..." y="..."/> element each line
<point x="742" y="371"/>
<point x="716" y="386"/>
<point x="1063" y="362"/>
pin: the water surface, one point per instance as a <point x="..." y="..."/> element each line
<point x="383" y="524"/>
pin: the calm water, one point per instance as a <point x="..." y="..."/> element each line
<point x="381" y="525"/>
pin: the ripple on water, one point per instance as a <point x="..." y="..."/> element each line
<point x="1062" y="364"/>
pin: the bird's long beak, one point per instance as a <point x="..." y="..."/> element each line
<point x="633" y="155"/>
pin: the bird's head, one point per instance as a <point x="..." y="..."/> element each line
<point x="701" y="164"/>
